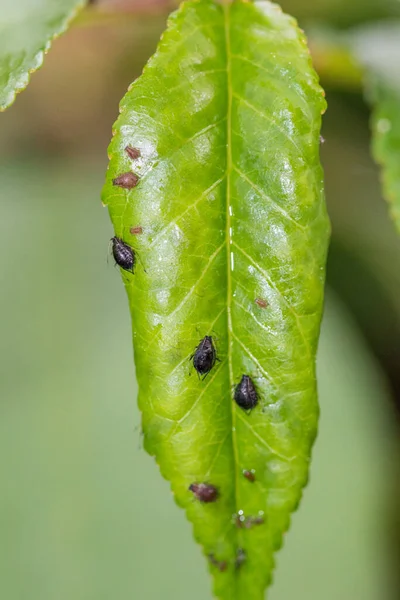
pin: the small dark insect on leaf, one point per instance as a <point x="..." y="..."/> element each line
<point x="252" y="521"/>
<point x="126" y="180"/>
<point x="250" y="475"/>
<point x="261" y="302"/>
<point x="133" y="153"/>
<point x="245" y="393"/>
<point x="255" y="521"/>
<point x="123" y="254"/>
<point x="136" y="230"/>
<point x="240" y="558"/>
<point x="220" y="564"/>
<point x="204" y="356"/>
<point x="239" y="519"/>
<point x="205" y="492"/>
<point x="243" y="522"/>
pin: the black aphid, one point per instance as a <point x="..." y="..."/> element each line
<point x="245" y="393"/>
<point x="205" y="492"/>
<point x="204" y="356"/>
<point x="240" y="558"/>
<point x="123" y="254"/>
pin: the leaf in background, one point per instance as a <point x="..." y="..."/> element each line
<point x="385" y="124"/>
<point x="27" y="28"/>
<point x="228" y="209"/>
<point x="377" y="48"/>
<point x="333" y="59"/>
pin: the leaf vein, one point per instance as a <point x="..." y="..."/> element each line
<point x="263" y="442"/>
<point x="195" y="285"/>
<point x="259" y="191"/>
<point x="274" y="123"/>
<point x="274" y="287"/>
<point x="187" y="209"/>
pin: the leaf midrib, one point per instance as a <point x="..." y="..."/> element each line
<point x="228" y="240"/>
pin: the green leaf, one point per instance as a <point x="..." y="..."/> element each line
<point x="27" y="28"/>
<point x="230" y="203"/>
<point x="385" y="125"/>
<point x="377" y="48"/>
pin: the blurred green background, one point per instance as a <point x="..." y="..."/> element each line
<point x="84" y="512"/>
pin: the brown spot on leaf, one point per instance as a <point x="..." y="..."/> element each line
<point x="243" y="522"/>
<point x="251" y="521"/>
<point x="239" y="521"/>
<point x="126" y="180"/>
<point x="220" y="564"/>
<point x="136" y="230"/>
<point x="205" y="492"/>
<point x="261" y="302"/>
<point x="133" y="153"/>
<point x="250" y="475"/>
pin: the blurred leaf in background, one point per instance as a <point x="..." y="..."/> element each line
<point x="27" y="30"/>
<point x="377" y="47"/>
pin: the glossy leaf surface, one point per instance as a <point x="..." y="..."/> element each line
<point x="27" y="28"/>
<point x="228" y="210"/>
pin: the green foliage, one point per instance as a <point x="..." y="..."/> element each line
<point x="377" y="48"/>
<point x="368" y="57"/>
<point x="385" y="125"/>
<point x="373" y="52"/>
<point x="226" y="117"/>
<point x="27" y="30"/>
